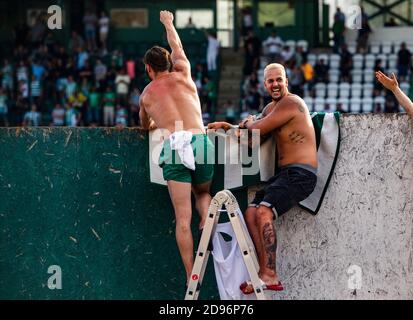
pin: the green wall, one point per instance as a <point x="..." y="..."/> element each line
<point x="82" y="199"/>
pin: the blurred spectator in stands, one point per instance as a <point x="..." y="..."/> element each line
<point x="391" y="23"/>
<point x="190" y="24"/>
<point x="94" y="107"/>
<point x="35" y="91"/>
<point x="363" y="33"/>
<point x="32" y="117"/>
<point x="229" y="108"/>
<point x="62" y="55"/>
<point x="50" y="42"/>
<point x="76" y="42"/>
<point x="298" y="56"/>
<point x="20" y="53"/>
<point x="403" y="62"/>
<point x="117" y="58"/>
<point x="121" y="116"/>
<point x="296" y="80"/>
<point x="346" y="63"/>
<point x="377" y="85"/>
<point x="58" y="115"/>
<point x="212" y="50"/>
<point x="338" y="31"/>
<point x="23" y="89"/>
<point x="82" y="56"/>
<point x="38" y="70"/>
<point x="247" y="22"/>
<point x="199" y="75"/>
<point x="3" y="109"/>
<point x="38" y="31"/>
<point x="17" y="109"/>
<point x="130" y="68"/>
<point x="253" y="100"/>
<point x="103" y="30"/>
<point x="85" y="86"/>
<point x="250" y="82"/>
<point x="250" y="61"/>
<point x="206" y="117"/>
<point x="78" y="101"/>
<point x="391" y="104"/>
<point x="340" y="15"/>
<point x="210" y="94"/>
<point x="122" y="82"/>
<point x="109" y="100"/>
<point x="86" y="72"/>
<point x="308" y="73"/>
<point x="255" y="41"/>
<point x="90" y="21"/>
<point x="273" y="47"/>
<point x="287" y="54"/>
<point x="22" y="73"/>
<point x="6" y="74"/>
<point x="321" y="71"/>
<point x="70" y="87"/>
<point x="100" y="73"/>
<point x="111" y="74"/>
<point x="72" y="116"/>
<point x="134" y="106"/>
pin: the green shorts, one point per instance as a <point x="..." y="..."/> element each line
<point x="204" y="153"/>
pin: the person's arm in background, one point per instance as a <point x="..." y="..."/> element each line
<point x="392" y="85"/>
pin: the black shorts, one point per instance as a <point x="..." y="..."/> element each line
<point x="291" y="184"/>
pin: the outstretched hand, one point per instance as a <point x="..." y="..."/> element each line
<point x="219" y="125"/>
<point x="166" y="16"/>
<point x="388" y="83"/>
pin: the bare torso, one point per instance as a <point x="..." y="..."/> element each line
<point x="172" y="102"/>
<point x="296" y="142"/>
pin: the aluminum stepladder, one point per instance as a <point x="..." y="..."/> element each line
<point x="227" y="199"/>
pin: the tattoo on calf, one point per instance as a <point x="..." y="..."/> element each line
<point x="296" y="137"/>
<point x="270" y="244"/>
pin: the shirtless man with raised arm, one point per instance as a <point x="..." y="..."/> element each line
<point x="393" y="85"/>
<point x="287" y="118"/>
<point x="171" y="102"/>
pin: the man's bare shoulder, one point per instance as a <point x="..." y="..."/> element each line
<point x="293" y="102"/>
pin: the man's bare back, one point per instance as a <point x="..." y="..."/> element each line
<point x="295" y="139"/>
<point x="172" y="102"/>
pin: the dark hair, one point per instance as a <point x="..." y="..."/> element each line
<point x="158" y="58"/>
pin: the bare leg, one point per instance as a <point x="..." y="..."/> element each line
<point x="268" y="237"/>
<point x="180" y="193"/>
<point x="202" y="200"/>
<point x="251" y="221"/>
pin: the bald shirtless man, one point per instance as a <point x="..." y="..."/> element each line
<point x="171" y="102"/>
<point x="288" y="120"/>
<point x="393" y="85"/>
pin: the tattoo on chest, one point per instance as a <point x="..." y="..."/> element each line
<point x="296" y="137"/>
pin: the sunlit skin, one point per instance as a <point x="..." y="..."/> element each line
<point x="288" y="120"/>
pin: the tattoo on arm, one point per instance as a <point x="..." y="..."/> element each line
<point x="270" y="244"/>
<point x="301" y="108"/>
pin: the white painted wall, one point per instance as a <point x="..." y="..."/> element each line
<point x="366" y="219"/>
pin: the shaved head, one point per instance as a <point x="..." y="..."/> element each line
<point x="274" y="66"/>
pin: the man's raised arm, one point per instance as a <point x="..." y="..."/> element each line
<point x="179" y="59"/>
